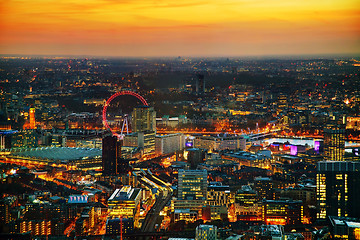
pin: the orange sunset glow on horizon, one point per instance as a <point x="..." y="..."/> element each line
<point x="179" y="28"/>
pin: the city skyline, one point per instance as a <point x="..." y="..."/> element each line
<point x="220" y="148"/>
<point x="189" y="28"/>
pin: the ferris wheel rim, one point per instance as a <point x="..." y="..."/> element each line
<point x="107" y="103"/>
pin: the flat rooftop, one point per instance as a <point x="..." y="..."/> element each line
<point x="126" y="193"/>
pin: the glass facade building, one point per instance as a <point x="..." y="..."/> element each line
<point x="337" y="188"/>
<point x="334" y="142"/>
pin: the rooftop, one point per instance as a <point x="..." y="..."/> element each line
<point x="126" y="193"/>
<point x="59" y="153"/>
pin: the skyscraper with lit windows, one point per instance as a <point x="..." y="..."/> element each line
<point x="337" y="189"/>
<point x="208" y="232"/>
<point x="334" y="141"/>
<point x="192" y="184"/>
<point x="143" y="119"/>
<point x="192" y="194"/>
<point x="143" y="122"/>
<point x="111" y="154"/>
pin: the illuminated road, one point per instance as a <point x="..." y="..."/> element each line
<point x="153" y="214"/>
<point x="70" y="228"/>
<point x="163" y="197"/>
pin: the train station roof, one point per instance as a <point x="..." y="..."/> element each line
<point x="59" y="153"/>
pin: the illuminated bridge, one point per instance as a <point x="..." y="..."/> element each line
<point x="257" y="136"/>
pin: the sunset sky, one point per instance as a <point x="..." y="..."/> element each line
<point x="179" y="27"/>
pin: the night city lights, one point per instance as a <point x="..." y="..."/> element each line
<point x="179" y="120"/>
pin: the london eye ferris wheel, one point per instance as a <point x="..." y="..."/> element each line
<point x="115" y="131"/>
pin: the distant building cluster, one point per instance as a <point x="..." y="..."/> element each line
<point x="226" y="149"/>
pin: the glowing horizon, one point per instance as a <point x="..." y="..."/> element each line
<point x="179" y="28"/>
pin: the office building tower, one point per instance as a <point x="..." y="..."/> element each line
<point x="125" y="203"/>
<point x="221" y="142"/>
<point x="192" y="193"/>
<point x="218" y="194"/>
<point x="264" y="187"/>
<point x="5" y="139"/>
<point x="36" y="227"/>
<point x="200" y="83"/>
<point x="246" y="206"/>
<point x="58" y="140"/>
<point x="194" y="156"/>
<point x="117" y="226"/>
<point x="344" y="228"/>
<point x="170" y="143"/>
<point x="337" y="189"/>
<point x="206" y="232"/>
<point x="4" y="211"/>
<point x="282" y="101"/>
<point x="111" y="153"/>
<point x="334" y="142"/>
<point x="283" y="212"/>
<point x="246" y="196"/>
<point x="192" y="184"/>
<point x="144" y="129"/>
<point x="143" y="119"/>
<point x="143" y="140"/>
<point x="25" y="139"/>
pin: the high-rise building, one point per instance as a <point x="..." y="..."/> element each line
<point x="4" y="212"/>
<point x="25" y="139"/>
<point x="282" y="101"/>
<point x="116" y="226"/>
<point x="170" y="143"/>
<point x="194" y="156"/>
<point x="337" y="189"/>
<point x="4" y="120"/>
<point x="5" y="139"/>
<point x="264" y="187"/>
<point x="143" y="119"/>
<point x="111" y="153"/>
<point x="200" y="83"/>
<point x="148" y="139"/>
<point x="192" y="194"/>
<point x="283" y="212"/>
<point x="144" y="128"/>
<point x="206" y="232"/>
<point x="125" y="203"/>
<point x="192" y="184"/>
<point x="143" y="140"/>
<point x="218" y="194"/>
<point x="58" y="140"/>
<point x="334" y="142"/>
<point x="344" y="228"/>
<point x="246" y="196"/>
<point x="221" y="142"/>
<point x="246" y="206"/>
